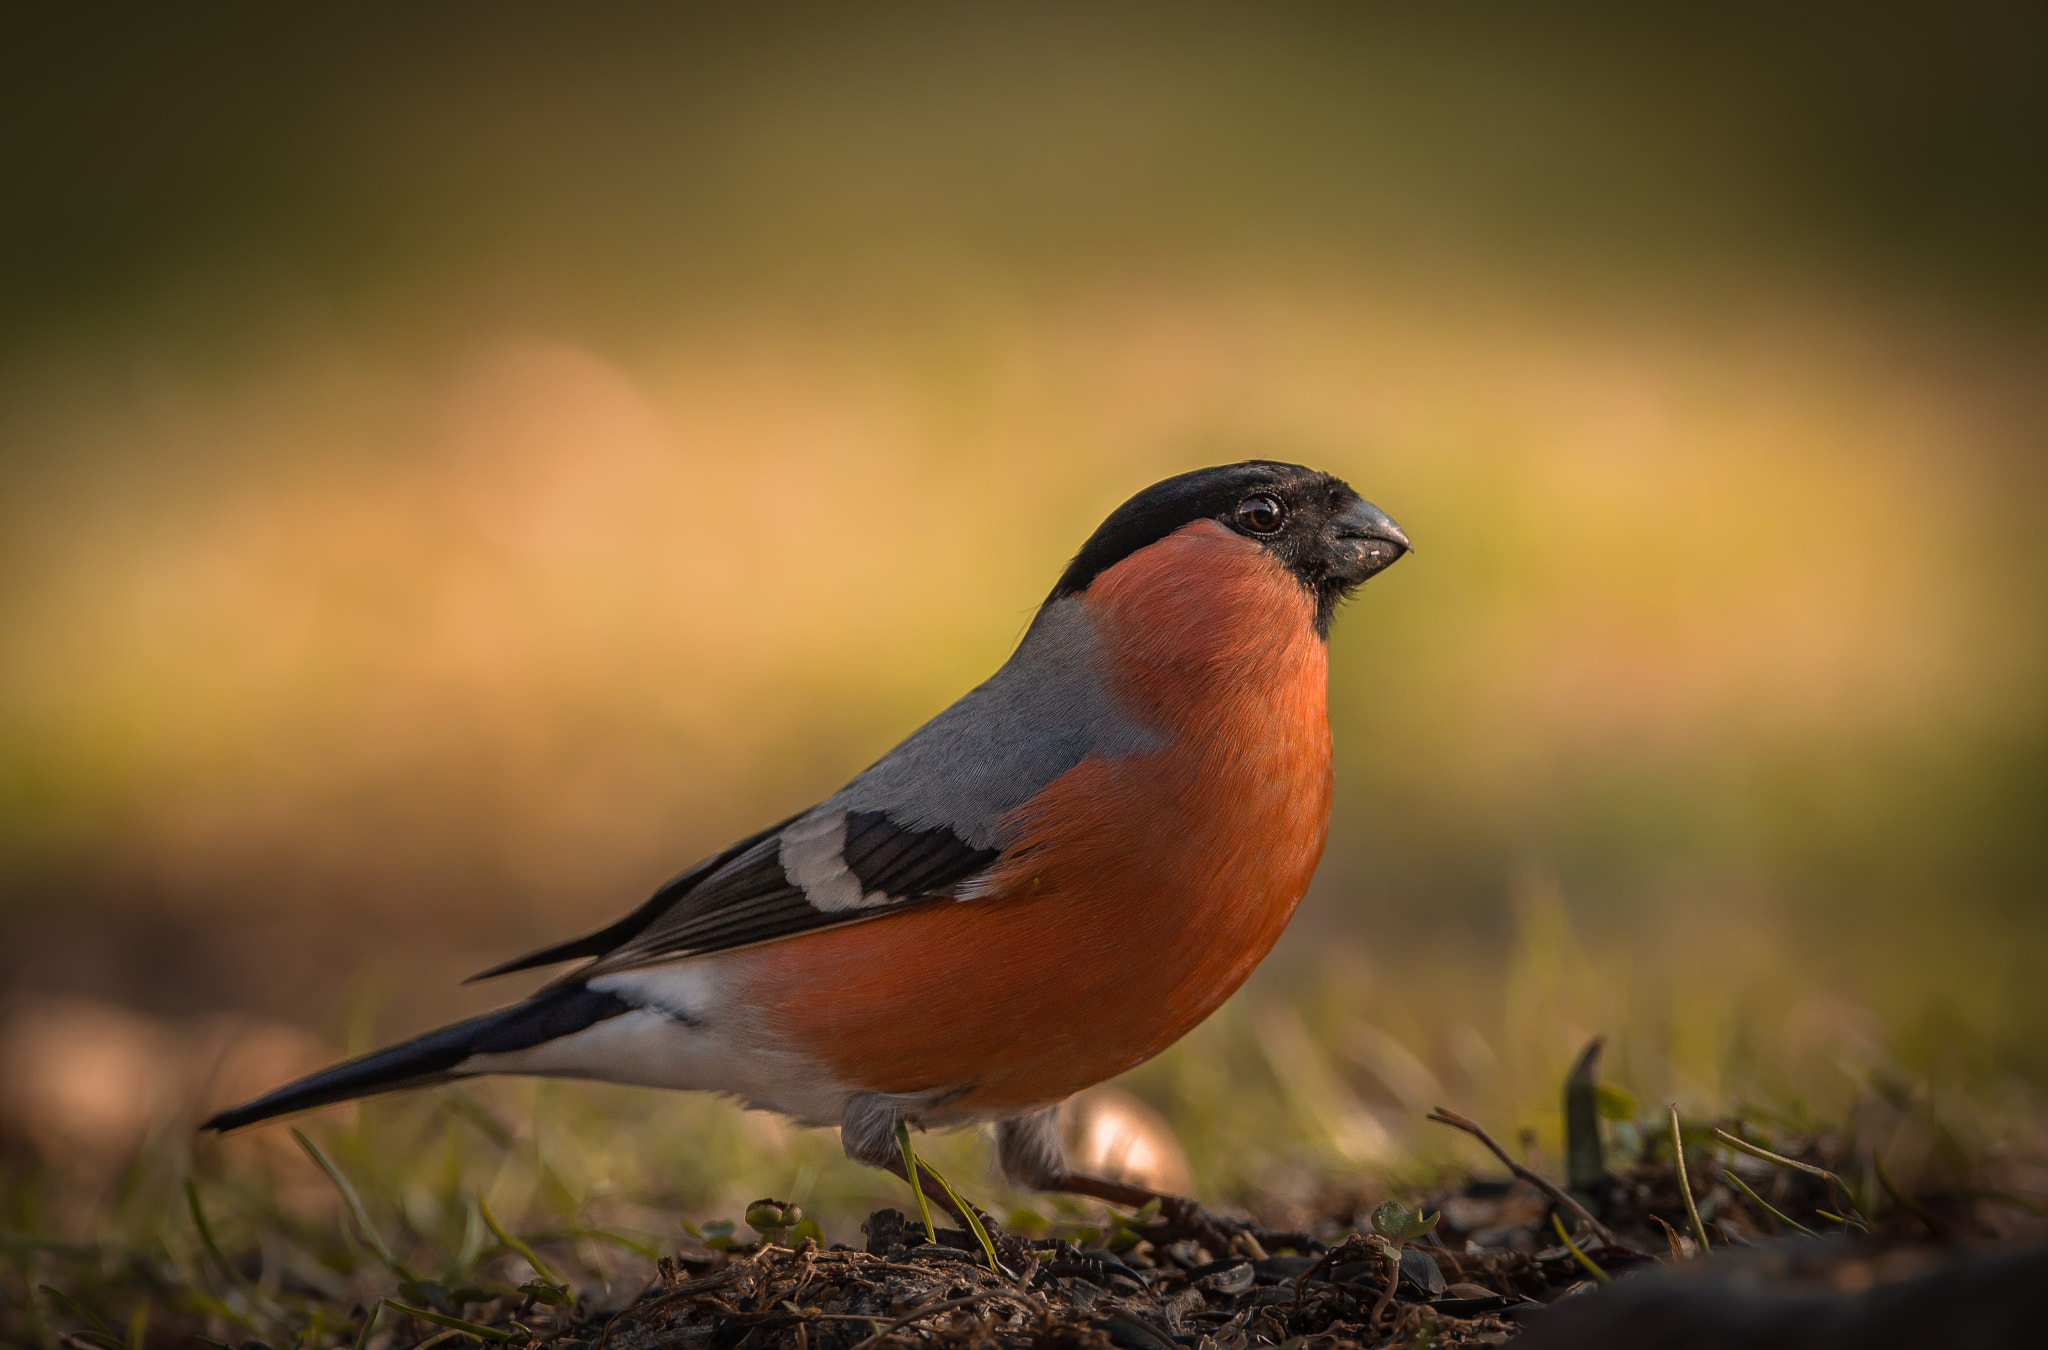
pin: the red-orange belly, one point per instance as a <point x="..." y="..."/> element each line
<point x="1090" y="964"/>
<point x="1142" y="891"/>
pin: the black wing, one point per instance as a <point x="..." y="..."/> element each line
<point x="743" y="896"/>
<point x="617" y="934"/>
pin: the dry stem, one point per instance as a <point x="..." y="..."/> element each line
<point x="1557" y="1193"/>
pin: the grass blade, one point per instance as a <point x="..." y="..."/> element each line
<point x="1592" y="1266"/>
<point x="1755" y="1151"/>
<point x="2006" y="1197"/>
<point x="355" y="1205"/>
<point x="79" y="1310"/>
<point x="69" y="1251"/>
<point x="1585" y="1169"/>
<point x="462" y="1104"/>
<point x="924" y="1211"/>
<point x="619" y="1240"/>
<point x="206" y="1238"/>
<point x="974" y="1224"/>
<point x="540" y="1267"/>
<point x="369" y="1326"/>
<point x="1692" y="1211"/>
<point x="234" y="1275"/>
<point x="227" y="1312"/>
<point x="1739" y="1184"/>
<point x="1906" y="1202"/>
<point x="468" y="1328"/>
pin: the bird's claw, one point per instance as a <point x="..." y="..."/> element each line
<point x="1181" y="1219"/>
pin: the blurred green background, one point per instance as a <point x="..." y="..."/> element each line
<point x="459" y="466"/>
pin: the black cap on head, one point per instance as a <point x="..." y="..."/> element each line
<point x="1327" y="535"/>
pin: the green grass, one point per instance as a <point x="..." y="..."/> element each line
<point x="446" y="1200"/>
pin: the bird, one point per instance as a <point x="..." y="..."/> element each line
<point x="1045" y="885"/>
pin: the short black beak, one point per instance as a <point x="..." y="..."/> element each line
<point x="1364" y="541"/>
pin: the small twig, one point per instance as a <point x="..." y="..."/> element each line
<point x="1692" y="1211"/>
<point x="1023" y="1294"/>
<point x="945" y="1305"/>
<point x="1739" y="1184"/>
<point x="1372" y="1320"/>
<point x="682" y="1293"/>
<point x="1558" y="1194"/>
<point x="1393" y="1259"/>
<point x="1350" y="1245"/>
<point x="787" y="1318"/>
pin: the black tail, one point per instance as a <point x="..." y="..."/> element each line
<point x="432" y="1058"/>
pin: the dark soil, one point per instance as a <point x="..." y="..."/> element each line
<point x="1932" y="1269"/>
<point x="1180" y="1295"/>
<point x="1171" y="1292"/>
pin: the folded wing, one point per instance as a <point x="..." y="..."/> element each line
<point x="918" y="825"/>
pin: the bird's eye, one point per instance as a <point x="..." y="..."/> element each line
<point x="1261" y="514"/>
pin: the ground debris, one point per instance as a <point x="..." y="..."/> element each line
<point x="1503" y="1255"/>
<point x="906" y="1291"/>
<point x="1783" y="1233"/>
<point x="909" y="1292"/>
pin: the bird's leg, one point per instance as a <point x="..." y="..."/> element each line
<point x="1031" y="1154"/>
<point x="875" y="1129"/>
<point x="1116" y="1192"/>
<point x="1180" y="1216"/>
<point x="1180" y="1212"/>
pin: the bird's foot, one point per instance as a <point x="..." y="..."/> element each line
<point x="1180" y="1219"/>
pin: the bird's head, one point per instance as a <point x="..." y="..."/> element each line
<point x="1328" y="536"/>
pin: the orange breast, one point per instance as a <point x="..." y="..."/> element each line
<point x="1143" y="890"/>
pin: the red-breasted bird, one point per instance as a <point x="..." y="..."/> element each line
<point x="1045" y="885"/>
